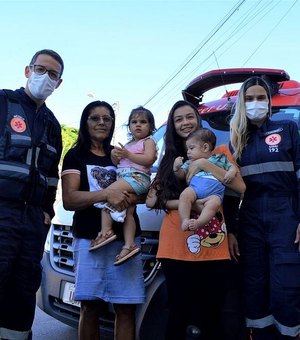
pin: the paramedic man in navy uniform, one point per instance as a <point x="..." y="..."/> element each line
<point x="30" y="149"/>
<point x="268" y="153"/>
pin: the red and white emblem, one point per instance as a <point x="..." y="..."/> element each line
<point x="18" y="124"/>
<point x="273" y="139"/>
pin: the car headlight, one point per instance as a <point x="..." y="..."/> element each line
<point x="47" y="242"/>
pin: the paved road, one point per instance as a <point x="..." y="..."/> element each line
<point x="47" y="328"/>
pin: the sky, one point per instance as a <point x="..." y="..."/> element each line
<point x="140" y="52"/>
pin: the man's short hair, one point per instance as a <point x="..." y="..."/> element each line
<point x="52" y="54"/>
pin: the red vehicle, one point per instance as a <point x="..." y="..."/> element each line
<point x="55" y="295"/>
<point x="285" y="94"/>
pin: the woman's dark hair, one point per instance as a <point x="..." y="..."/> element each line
<point x="83" y="142"/>
<point x="166" y="184"/>
<point x="140" y="110"/>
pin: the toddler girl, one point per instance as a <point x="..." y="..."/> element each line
<point x="134" y="161"/>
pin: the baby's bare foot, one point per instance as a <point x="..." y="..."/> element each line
<point x="185" y="225"/>
<point x="193" y="224"/>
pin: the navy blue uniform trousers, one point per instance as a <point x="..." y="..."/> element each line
<point x="22" y="238"/>
<point x="271" y="262"/>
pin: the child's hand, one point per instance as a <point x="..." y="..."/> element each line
<point x="120" y="152"/>
<point x="177" y="163"/>
<point x="114" y="154"/>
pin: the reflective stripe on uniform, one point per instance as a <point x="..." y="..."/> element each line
<point x="260" y="323"/>
<point x="14" y="168"/>
<point x="20" y="137"/>
<point x="260" y="168"/>
<point x="284" y="330"/>
<point x="270" y="320"/>
<point x="8" y="167"/>
<point x="29" y="156"/>
<point x="51" y="148"/>
<point x="6" y="333"/>
<point x="37" y="154"/>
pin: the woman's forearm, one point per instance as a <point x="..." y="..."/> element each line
<point x="152" y="198"/>
<point x="75" y="199"/>
<point x="172" y="204"/>
<point x="237" y="184"/>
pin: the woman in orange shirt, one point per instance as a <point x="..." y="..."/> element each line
<point x="196" y="264"/>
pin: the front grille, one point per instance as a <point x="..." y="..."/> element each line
<point x="71" y="313"/>
<point x="62" y="249"/>
<point x="61" y="254"/>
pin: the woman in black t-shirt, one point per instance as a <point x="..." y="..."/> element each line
<point x="88" y="166"/>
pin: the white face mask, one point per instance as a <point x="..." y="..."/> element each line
<point x="41" y="85"/>
<point x="257" y="110"/>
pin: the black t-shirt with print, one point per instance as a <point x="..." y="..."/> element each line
<point x="96" y="172"/>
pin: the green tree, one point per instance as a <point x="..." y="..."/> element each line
<point x="69" y="136"/>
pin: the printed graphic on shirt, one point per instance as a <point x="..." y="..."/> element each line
<point x="18" y="124"/>
<point x="100" y="177"/>
<point x="273" y="141"/>
<point x="209" y="236"/>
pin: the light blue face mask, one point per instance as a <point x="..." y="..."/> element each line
<point x="257" y="110"/>
<point x="41" y="86"/>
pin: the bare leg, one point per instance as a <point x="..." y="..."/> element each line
<point x="106" y="226"/>
<point x="211" y="205"/>
<point x="124" y="322"/>
<point x="89" y="320"/>
<point x="121" y="185"/>
<point x="106" y="232"/>
<point x="129" y="249"/>
<point x="106" y="221"/>
<point x="129" y="227"/>
<point x="186" y="200"/>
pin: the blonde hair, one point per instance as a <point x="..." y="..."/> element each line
<point x="239" y="122"/>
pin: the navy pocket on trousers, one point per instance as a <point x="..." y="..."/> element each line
<point x="288" y="266"/>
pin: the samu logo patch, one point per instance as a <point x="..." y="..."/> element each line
<point x="18" y="124"/>
<point x="273" y="141"/>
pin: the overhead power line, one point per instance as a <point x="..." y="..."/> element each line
<point x="271" y="31"/>
<point x="220" y="45"/>
<point x="210" y="36"/>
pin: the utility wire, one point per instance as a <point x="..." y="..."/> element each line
<point x="219" y="26"/>
<point x="256" y="12"/>
<point x="234" y="30"/>
<point x="271" y="31"/>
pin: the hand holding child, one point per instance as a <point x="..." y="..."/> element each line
<point x="230" y="174"/>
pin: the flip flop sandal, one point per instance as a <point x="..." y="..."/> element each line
<point x="126" y="254"/>
<point x="105" y="239"/>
